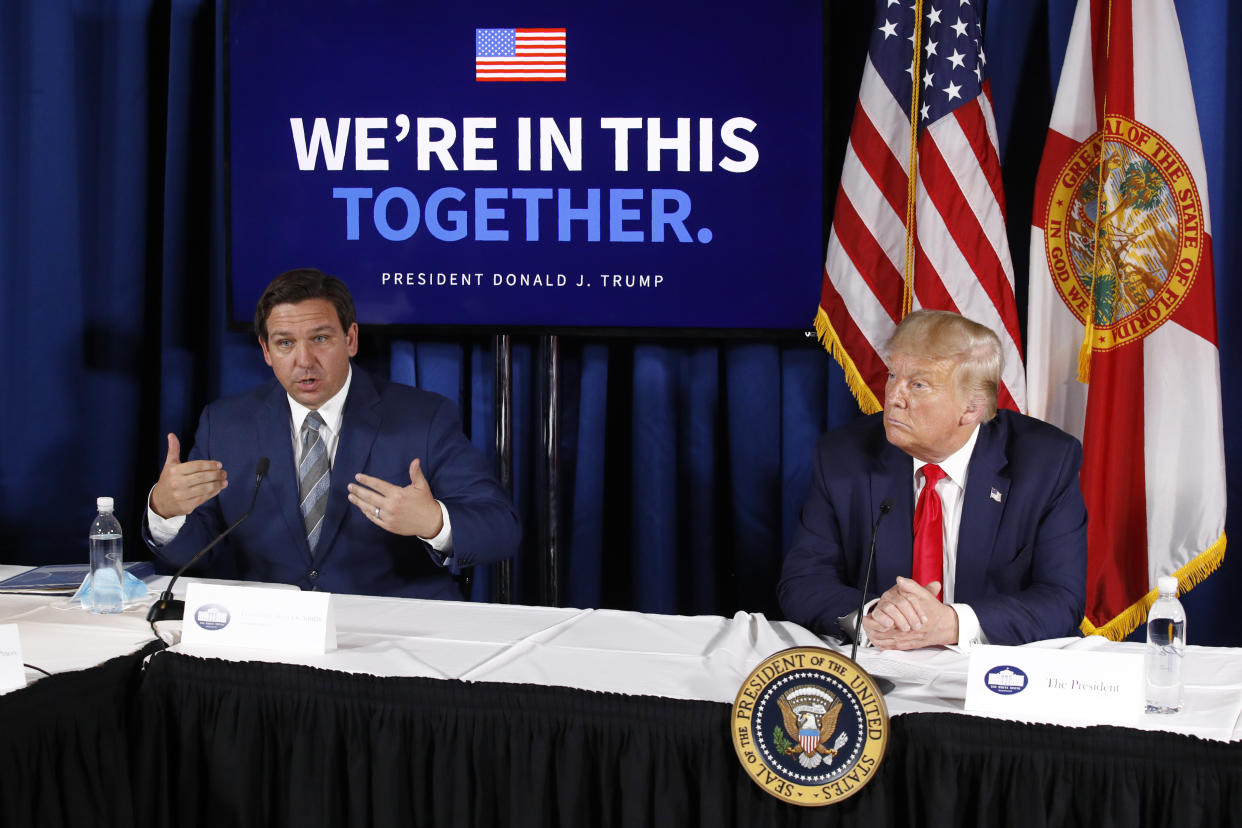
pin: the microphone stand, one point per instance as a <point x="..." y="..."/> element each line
<point x="886" y="506"/>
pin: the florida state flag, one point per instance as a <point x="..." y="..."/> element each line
<point x="1121" y="345"/>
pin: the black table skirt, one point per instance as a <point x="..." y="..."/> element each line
<point x="258" y="744"/>
<point x="203" y="742"/>
<point x="66" y="743"/>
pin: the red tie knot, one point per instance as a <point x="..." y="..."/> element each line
<point x="933" y="474"/>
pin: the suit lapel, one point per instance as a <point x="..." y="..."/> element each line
<point x="360" y="422"/>
<point x="892" y="477"/>
<point x="987" y="492"/>
<point x="282" y="481"/>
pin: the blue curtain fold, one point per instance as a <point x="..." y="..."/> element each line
<point x="682" y="463"/>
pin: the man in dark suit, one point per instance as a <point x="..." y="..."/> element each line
<point x="424" y="502"/>
<point x="1009" y="553"/>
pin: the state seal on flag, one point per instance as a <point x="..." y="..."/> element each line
<point x="809" y="726"/>
<point x="1124" y="231"/>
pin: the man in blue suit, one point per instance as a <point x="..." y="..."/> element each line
<point x="372" y="489"/>
<point x="1010" y="557"/>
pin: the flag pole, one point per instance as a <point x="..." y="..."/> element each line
<point x="907" y="296"/>
<point x="1088" y="333"/>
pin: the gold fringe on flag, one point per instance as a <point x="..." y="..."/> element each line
<point x="832" y="343"/>
<point x="1188" y="577"/>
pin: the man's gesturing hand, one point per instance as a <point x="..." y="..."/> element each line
<point x="402" y="510"/>
<point x="183" y="486"/>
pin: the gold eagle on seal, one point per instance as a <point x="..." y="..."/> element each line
<point x="809" y="714"/>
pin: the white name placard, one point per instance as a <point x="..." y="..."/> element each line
<point x="12" y="673"/>
<point x="1057" y="686"/>
<point x="262" y="619"/>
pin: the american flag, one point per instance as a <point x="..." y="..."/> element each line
<point x="519" y="54"/>
<point x="955" y="211"/>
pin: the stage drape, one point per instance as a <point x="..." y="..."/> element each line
<point x="245" y="744"/>
<point x="683" y="462"/>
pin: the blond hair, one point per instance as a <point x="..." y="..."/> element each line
<point x="974" y="350"/>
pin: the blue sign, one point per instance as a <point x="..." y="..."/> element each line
<point x="212" y="617"/>
<point x="1005" y="680"/>
<point x="646" y="164"/>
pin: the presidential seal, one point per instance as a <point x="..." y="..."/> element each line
<point x="1124" y="226"/>
<point x="810" y="726"/>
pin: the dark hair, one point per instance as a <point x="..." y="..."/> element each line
<point x="299" y="285"/>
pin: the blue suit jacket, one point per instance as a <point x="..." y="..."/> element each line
<point x="384" y="426"/>
<point x="1022" y="545"/>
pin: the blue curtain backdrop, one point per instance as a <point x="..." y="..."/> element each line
<point x="683" y="463"/>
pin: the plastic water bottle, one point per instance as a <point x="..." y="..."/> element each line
<point x="107" y="560"/>
<point x="1166" y="644"/>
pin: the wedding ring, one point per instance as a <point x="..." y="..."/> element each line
<point x="377" y="513"/>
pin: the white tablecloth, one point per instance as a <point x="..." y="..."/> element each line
<point x="684" y="657"/>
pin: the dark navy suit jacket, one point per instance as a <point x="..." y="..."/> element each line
<point x="1022" y="544"/>
<point x="384" y="426"/>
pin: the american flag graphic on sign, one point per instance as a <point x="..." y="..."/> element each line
<point x="922" y="228"/>
<point x="809" y="739"/>
<point x="519" y="54"/>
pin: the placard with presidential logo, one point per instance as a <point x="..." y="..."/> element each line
<point x="260" y="618"/>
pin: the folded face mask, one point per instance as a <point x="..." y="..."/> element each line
<point x="132" y="590"/>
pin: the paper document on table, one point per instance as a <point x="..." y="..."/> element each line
<point x="918" y="666"/>
<point x="64" y="578"/>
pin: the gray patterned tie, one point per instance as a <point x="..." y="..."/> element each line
<point x="313" y="477"/>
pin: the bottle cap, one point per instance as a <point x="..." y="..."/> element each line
<point x="1167" y="584"/>
<point x="103" y="504"/>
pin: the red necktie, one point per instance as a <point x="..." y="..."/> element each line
<point x="929" y="530"/>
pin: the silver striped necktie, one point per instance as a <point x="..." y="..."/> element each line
<point x="313" y="477"/>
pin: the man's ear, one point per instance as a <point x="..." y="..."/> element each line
<point x="266" y="356"/>
<point x="351" y="340"/>
<point x="975" y="411"/>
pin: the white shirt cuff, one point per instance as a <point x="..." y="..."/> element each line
<point x="969" y="633"/>
<point x="442" y="542"/>
<point x="162" y="529"/>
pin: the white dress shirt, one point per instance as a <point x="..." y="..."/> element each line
<point x="951" y="489"/>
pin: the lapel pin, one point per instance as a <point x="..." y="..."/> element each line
<point x="996" y="495"/>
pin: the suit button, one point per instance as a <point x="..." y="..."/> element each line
<point x="313" y="574"/>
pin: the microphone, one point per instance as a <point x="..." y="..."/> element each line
<point x="169" y="609"/>
<point x="886" y="506"/>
